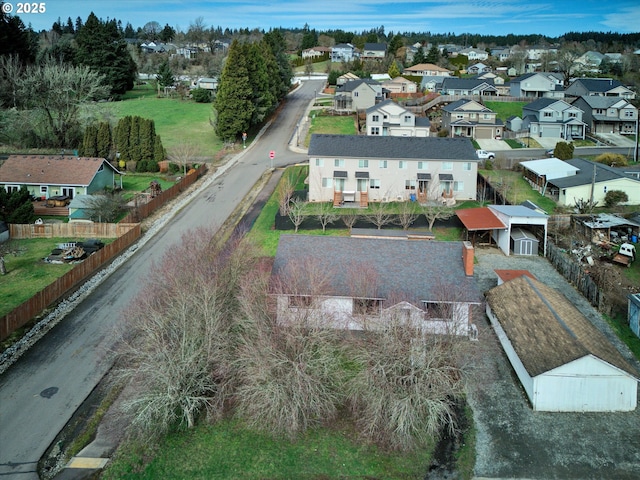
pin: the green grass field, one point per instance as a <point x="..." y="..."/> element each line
<point x="505" y="110"/>
<point x="228" y="451"/>
<point x="517" y="188"/>
<point x="330" y="124"/>
<point x="176" y="121"/>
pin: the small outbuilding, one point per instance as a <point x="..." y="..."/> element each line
<point x="523" y="242"/>
<point x="564" y="363"/>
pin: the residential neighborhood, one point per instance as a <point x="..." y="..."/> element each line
<point x="317" y="251"/>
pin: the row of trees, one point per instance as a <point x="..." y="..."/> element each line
<point x="134" y="140"/>
<point x="202" y="339"/>
<point x="256" y="77"/>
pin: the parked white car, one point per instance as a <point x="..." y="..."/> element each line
<point x="484" y="155"/>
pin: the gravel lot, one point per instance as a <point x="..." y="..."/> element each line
<point x="515" y="442"/>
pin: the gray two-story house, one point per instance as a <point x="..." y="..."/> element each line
<point x="608" y="114"/>
<point x="598" y="87"/>
<point x="538" y="85"/>
<point x="356" y="169"/>
<point x="468" y="118"/>
<point x="357" y="95"/>
<point x="553" y="118"/>
<point x="343" y="52"/>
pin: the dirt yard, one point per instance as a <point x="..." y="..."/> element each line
<point x="515" y="442"/>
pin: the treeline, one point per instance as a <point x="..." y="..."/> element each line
<point x="256" y="77"/>
<point x="133" y="143"/>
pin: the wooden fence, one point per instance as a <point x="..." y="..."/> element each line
<point x="63" y="285"/>
<point x="73" y="229"/>
<point x="143" y="210"/>
<point x="574" y="273"/>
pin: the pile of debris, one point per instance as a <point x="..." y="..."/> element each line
<point x="73" y="252"/>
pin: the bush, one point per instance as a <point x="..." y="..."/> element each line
<point x="612" y="159"/>
<point x="614" y="197"/>
<point x="443" y="133"/>
<point x="488" y="165"/>
<point x="563" y="151"/>
<point x="200" y="95"/>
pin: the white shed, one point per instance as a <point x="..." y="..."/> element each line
<point x="564" y="363"/>
<point x="514" y="217"/>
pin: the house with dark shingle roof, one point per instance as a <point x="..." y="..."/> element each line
<point x="469" y="118"/>
<point x="468" y="86"/>
<point x="359" y="169"/>
<point x="48" y="176"/>
<point x="600" y="87"/>
<point x="389" y="118"/>
<point x="537" y="85"/>
<point x="564" y="363"/>
<point x="357" y="95"/>
<point x="553" y="118"/>
<point x="605" y="114"/>
<point x="374" y="51"/>
<point x="361" y="283"/>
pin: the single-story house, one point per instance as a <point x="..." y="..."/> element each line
<point x="570" y="181"/>
<point x="359" y="283"/>
<point x="564" y="363"/>
<point x="48" y="176"/>
<point x="388" y="169"/>
<point x="430" y="69"/>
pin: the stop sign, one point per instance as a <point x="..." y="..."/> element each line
<point x="272" y="154"/>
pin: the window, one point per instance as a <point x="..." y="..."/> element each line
<point x="458" y="186"/>
<point x="486" y="116"/>
<point x="407" y="119"/>
<point x="423" y="165"/>
<point x="472" y="115"/>
<point x="382" y="164"/>
<point x="466" y="166"/>
<point x="43" y="189"/>
<point x="299" y="301"/>
<point x="375" y="118"/>
<point x="374" y="183"/>
<point x="547" y="114"/>
<point x="363" y="163"/>
<point x="409" y="184"/>
<point x="438" y="310"/>
<point x="361" y="185"/>
<point x="599" y="111"/>
<point x="338" y="163"/>
<point x="366" y="306"/>
<point x="573" y="115"/>
<point x="101" y="167"/>
<point x="11" y="188"/>
<point x="375" y="130"/>
<point x="402" y="164"/>
<point x="459" y="116"/>
<point x="628" y="114"/>
<point x="355" y="94"/>
<point x="327" y="183"/>
<point x="319" y="162"/>
<point x="447" y="166"/>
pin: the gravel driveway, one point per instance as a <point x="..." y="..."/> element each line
<point x="515" y="442"/>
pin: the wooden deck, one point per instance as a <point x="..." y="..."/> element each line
<point x="40" y="209"/>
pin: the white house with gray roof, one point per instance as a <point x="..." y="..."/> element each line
<point x="362" y="283"/>
<point x="389" y="118"/>
<point x="358" y="169"/>
<point x="357" y="95"/>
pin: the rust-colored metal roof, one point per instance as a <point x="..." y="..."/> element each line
<point x="481" y="218"/>
<point x="507" y="275"/>
<point x="50" y="169"/>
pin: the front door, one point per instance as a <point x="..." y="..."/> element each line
<point x="68" y="192"/>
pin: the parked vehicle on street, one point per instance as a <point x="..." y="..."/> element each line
<point x="484" y="155"/>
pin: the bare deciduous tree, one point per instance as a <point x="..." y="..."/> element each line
<point x="350" y="220"/>
<point x="326" y="214"/>
<point x="296" y="213"/>
<point x="285" y="193"/>
<point x="408" y="212"/>
<point x="436" y="211"/>
<point x="379" y="214"/>
<point x="105" y="208"/>
<point x="183" y="154"/>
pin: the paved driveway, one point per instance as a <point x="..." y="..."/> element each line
<point x="515" y="442"/>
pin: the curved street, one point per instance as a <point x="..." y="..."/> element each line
<point x="43" y="389"/>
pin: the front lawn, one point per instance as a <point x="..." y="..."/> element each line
<point x="504" y="110"/>
<point x="322" y="122"/>
<point x="229" y="451"/>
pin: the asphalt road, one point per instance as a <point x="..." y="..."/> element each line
<point x="42" y="390"/>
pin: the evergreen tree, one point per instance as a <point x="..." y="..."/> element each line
<point x="277" y="44"/>
<point x="16" y="39"/>
<point x="159" y="153"/>
<point x="167" y="33"/>
<point x="419" y="57"/>
<point x="233" y="101"/>
<point x="103" y="140"/>
<point x="129" y="32"/>
<point x="147" y="136"/>
<point x="101" y="46"/>
<point x="394" y="71"/>
<point x="122" y="138"/>
<point x="89" y="141"/>
<point x="165" y="76"/>
<point x="134" y="140"/>
<point x="433" y="56"/>
<point x="261" y="95"/>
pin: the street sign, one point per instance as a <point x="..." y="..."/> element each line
<point x="272" y="154"/>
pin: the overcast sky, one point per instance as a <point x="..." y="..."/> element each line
<point x="500" y="17"/>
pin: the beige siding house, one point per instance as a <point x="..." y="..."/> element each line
<point x="389" y="118"/>
<point x="427" y="69"/>
<point x="356" y="169"/>
<point x="468" y="118"/>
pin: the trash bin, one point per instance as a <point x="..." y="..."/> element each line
<point x="634" y="239"/>
<point x="412" y="197"/>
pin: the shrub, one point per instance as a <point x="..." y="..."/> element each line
<point x="563" y="151"/>
<point x="443" y="133"/>
<point x="488" y="165"/>
<point x="614" y="197"/>
<point x="612" y="159"/>
<point x="200" y="95"/>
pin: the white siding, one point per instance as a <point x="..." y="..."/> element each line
<point x="568" y="196"/>
<point x="585" y="385"/>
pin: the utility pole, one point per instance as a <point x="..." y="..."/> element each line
<point x="593" y="185"/>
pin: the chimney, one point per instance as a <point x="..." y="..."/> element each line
<point x="467" y="258"/>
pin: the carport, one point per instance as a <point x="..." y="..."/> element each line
<point x="480" y="223"/>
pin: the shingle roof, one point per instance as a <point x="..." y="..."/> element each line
<point x="453" y="106"/>
<point x="409" y="270"/>
<point x="585" y="174"/>
<point x="546" y="329"/>
<point x="466" y="83"/>
<point x="387" y="147"/>
<point x="51" y="170"/>
<point x="599" y="84"/>
<point x="351" y="85"/>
